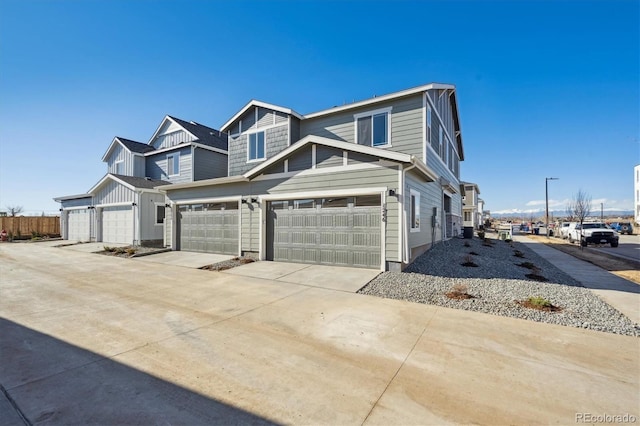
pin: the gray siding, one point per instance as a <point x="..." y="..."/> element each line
<point x="157" y="166"/>
<point x="357" y="158"/>
<point x="295" y="130"/>
<point x="328" y="157"/>
<point x="406" y="124"/>
<point x="208" y="164"/>
<point x="113" y="192"/>
<point x="121" y="154"/>
<point x="171" y="139"/>
<point x="149" y="231"/>
<point x="442" y="105"/>
<point x="276" y="139"/>
<point x="351" y="179"/>
<point x="430" y="197"/>
<point x="139" y="169"/>
<point x="435" y="163"/>
<point x="301" y="160"/>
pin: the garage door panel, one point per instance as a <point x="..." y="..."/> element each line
<point x="79" y="225"/>
<point x="209" y="231"/>
<point x="345" y="236"/>
<point x="117" y="224"/>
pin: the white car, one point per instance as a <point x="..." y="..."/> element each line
<point x="593" y="233"/>
<point x="566" y="228"/>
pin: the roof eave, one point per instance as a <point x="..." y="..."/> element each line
<point x="261" y="104"/>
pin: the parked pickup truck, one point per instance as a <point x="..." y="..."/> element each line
<point x="593" y="233"/>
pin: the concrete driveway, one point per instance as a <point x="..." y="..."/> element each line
<point x="184" y="258"/>
<point x="89" y="339"/>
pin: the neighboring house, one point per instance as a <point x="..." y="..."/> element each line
<point x="471" y="209"/>
<point x="636" y="191"/>
<point x="480" y="215"/>
<point x="124" y="206"/>
<point x="370" y="184"/>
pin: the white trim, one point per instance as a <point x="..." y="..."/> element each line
<point x="65" y="209"/>
<point x="155" y="222"/>
<point x="414" y="195"/>
<point x="176" y="155"/>
<point x="345" y="158"/>
<point x="171" y="148"/>
<point x="325" y="170"/>
<point x="166" y="117"/>
<point x="379" y="111"/>
<point x="121" y="204"/>
<point x="193" y="161"/>
<point x="200" y="183"/>
<point x="323" y="193"/>
<point x="400" y="198"/>
<point x="382" y="98"/>
<point x="285" y="166"/>
<point x="442" y="126"/>
<point x="262" y="231"/>
<point x="210" y="148"/>
<point x="264" y="140"/>
<point x="254" y="103"/>
<point x="376" y="152"/>
<point x="313" y="156"/>
<point x="383" y="231"/>
<point x="237" y="198"/>
<point x="121" y="182"/>
<point x="116" y="167"/>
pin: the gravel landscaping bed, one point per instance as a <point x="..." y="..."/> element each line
<point x="499" y="286"/>
<point x="228" y="264"/>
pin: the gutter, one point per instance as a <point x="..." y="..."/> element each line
<point x="405" y="230"/>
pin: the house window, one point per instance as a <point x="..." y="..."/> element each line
<point x="119" y="167"/>
<point x="428" y="124"/>
<point x="467" y="216"/>
<point x="372" y="128"/>
<point x="160" y="214"/>
<point x="256" y="146"/>
<point x="440" y="144"/>
<point x="173" y="164"/>
<point x="415" y="210"/>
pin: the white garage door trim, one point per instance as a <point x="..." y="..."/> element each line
<point x="79" y="224"/>
<point x="117" y="224"/>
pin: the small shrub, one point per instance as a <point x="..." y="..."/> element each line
<point x="131" y="251"/>
<point x="466" y="244"/>
<point x="508" y="240"/>
<point x="528" y="265"/>
<point x="468" y="261"/>
<point x="539" y="303"/>
<point x="35" y="235"/>
<point x="459" y="292"/>
<point x="119" y="250"/>
<point x="536" y="277"/>
<point x="481" y="235"/>
<point x="473" y="253"/>
<point x="108" y="249"/>
<point x="518" y="253"/>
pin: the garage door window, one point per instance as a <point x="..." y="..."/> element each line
<point x="328" y="203"/>
<point x="367" y="201"/>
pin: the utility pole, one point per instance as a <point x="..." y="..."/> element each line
<point x="546" y="199"/>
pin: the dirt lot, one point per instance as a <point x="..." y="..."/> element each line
<point x="626" y="269"/>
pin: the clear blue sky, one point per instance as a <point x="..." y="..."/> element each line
<point x="545" y="88"/>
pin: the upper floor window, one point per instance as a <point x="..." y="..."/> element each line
<point x="173" y="164"/>
<point x="372" y="128"/>
<point x="414" y="205"/>
<point x="119" y="167"/>
<point x="255" y="150"/>
<point x="440" y="144"/>
<point x="428" y="124"/>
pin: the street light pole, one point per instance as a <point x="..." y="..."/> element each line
<point x="601" y="212"/>
<point x="546" y="200"/>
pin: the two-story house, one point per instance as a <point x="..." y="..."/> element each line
<point x="125" y="206"/>
<point x="370" y="184"/>
<point x="471" y="206"/>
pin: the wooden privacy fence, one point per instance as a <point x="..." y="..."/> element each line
<point x="26" y="226"/>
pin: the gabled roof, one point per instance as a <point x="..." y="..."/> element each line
<point x="132" y="146"/>
<point x="253" y="103"/>
<point x="132" y="182"/>
<point x="205" y="135"/>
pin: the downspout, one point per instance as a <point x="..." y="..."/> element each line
<point x="405" y="230"/>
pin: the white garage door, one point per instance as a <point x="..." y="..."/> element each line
<point x="117" y="224"/>
<point x="79" y="225"/>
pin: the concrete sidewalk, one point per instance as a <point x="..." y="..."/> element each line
<point x="622" y="294"/>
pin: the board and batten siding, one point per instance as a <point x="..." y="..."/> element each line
<point x="168" y="227"/>
<point x="171" y="134"/>
<point x="208" y="164"/>
<point x="121" y="154"/>
<point x="406" y="124"/>
<point x="276" y="139"/>
<point x="113" y="192"/>
<point x="149" y="230"/>
<point x="157" y="166"/>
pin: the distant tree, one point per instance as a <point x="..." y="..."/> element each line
<point x="14" y="210"/>
<point x="569" y="212"/>
<point x="581" y="208"/>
